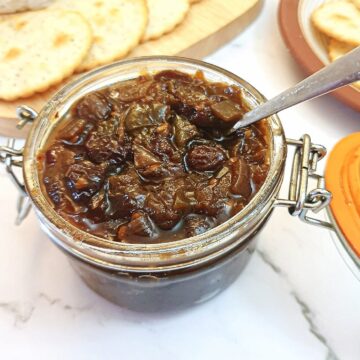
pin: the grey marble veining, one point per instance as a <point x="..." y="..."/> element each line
<point x="303" y="307"/>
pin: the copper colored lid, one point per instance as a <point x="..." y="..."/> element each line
<point x="302" y="52"/>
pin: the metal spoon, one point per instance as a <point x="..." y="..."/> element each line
<point x="341" y="72"/>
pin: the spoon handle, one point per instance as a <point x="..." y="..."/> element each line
<point x="341" y="72"/>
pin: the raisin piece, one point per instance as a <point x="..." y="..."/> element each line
<point x="205" y="158"/>
<point x="84" y="180"/>
<point x="104" y="147"/>
<point x="161" y="145"/>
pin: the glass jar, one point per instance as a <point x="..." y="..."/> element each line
<point x="177" y="274"/>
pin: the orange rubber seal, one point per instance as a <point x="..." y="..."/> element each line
<point x="342" y="178"/>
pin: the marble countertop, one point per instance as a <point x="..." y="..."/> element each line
<point x="296" y="299"/>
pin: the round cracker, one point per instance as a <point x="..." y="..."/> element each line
<point x="339" y="20"/>
<point x="117" y="25"/>
<point x="39" y="49"/>
<point x="356" y="85"/>
<point x="337" y="49"/>
<point x="164" y="15"/>
<point x="11" y="6"/>
<point x="356" y="3"/>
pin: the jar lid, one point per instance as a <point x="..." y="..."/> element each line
<point x="342" y="177"/>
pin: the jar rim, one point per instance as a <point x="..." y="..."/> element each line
<point x="158" y="256"/>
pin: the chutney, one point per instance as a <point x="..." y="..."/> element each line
<point x="148" y="160"/>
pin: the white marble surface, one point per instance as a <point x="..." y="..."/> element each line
<point x="295" y="300"/>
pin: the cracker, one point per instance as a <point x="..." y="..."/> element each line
<point x="337" y="49"/>
<point x="164" y="15"/>
<point x="39" y="49"/>
<point x="356" y="3"/>
<point x="356" y="85"/>
<point x="339" y="20"/>
<point x="10" y="6"/>
<point x="117" y="25"/>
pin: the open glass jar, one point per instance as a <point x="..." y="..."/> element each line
<point x="170" y="275"/>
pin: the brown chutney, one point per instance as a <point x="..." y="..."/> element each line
<point x="148" y="160"/>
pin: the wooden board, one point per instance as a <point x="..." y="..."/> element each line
<point x="208" y="26"/>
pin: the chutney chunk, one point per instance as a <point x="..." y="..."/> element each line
<point x="205" y="157"/>
<point x="93" y="107"/>
<point x="84" y="179"/>
<point x="227" y="110"/>
<point x="184" y="131"/>
<point x="131" y="90"/>
<point x="240" y="177"/>
<point x="71" y="135"/>
<point x="140" y="225"/>
<point x="196" y="225"/>
<point x="124" y="195"/>
<point x="160" y="207"/>
<point x="148" y="160"/>
<point x="212" y="196"/>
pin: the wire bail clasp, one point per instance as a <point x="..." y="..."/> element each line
<point x="300" y="201"/>
<point x="13" y="158"/>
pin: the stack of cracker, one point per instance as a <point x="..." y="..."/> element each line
<point x="41" y="48"/>
<point x="339" y="22"/>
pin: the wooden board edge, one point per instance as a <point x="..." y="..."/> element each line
<point x="8" y="129"/>
<point x="209" y="44"/>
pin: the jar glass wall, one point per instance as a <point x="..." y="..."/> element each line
<point x="188" y="270"/>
